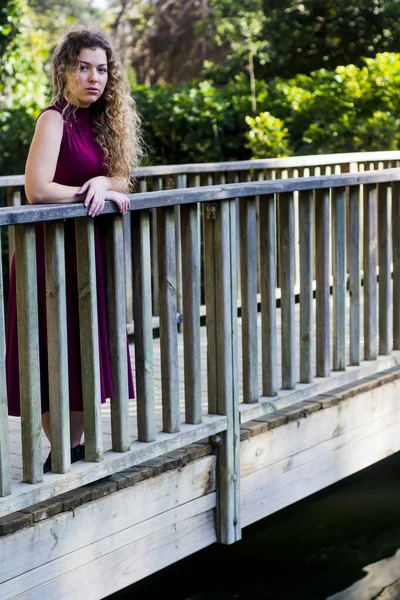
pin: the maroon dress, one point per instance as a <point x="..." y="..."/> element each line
<point x="79" y="159"/>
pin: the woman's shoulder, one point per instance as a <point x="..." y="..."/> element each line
<point x="51" y="114"/>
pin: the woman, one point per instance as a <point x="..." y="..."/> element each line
<point x="83" y="149"/>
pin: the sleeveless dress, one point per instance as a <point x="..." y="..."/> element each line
<point x="80" y="158"/>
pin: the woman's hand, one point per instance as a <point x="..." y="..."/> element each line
<point x="96" y="190"/>
<point x="120" y="199"/>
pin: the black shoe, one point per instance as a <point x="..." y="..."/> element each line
<point x="77" y="453"/>
<point x="47" y="464"/>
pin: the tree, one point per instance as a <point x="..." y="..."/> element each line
<point x="306" y="35"/>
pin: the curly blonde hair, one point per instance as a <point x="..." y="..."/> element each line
<point x="116" y="123"/>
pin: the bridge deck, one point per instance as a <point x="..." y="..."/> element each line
<point x="334" y="381"/>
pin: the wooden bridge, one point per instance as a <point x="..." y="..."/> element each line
<point x="275" y="289"/>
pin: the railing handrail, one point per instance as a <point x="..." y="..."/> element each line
<point x="146" y="200"/>
<point x="291" y="162"/>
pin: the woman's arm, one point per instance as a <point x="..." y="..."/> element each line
<point x="42" y="161"/>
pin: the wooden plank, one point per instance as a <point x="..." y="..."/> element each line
<point x="306" y="240"/>
<point x="286" y="250"/>
<point x="322" y="241"/>
<point x="225" y="286"/>
<point x="89" y="338"/>
<point x="210" y="212"/>
<point x="5" y="466"/>
<point x="28" y="347"/>
<point x="355" y="275"/>
<point x="339" y="278"/>
<point x="141" y="257"/>
<point x="80" y="529"/>
<point x="122" y="562"/>
<point x="287" y="482"/>
<point x="396" y="263"/>
<point x="248" y="279"/>
<point x="191" y="312"/>
<point x="268" y="295"/>
<point x="385" y="276"/>
<point x="116" y="318"/>
<point x="174" y="197"/>
<point x="157" y="185"/>
<point x="168" y="328"/>
<point x="128" y="268"/>
<point x="370" y="288"/>
<point x="181" y="183"/>
<point x="13" y="199"/>
<point x="57" y="345"/>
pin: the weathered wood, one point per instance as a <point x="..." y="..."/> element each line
<point x="128" y="268"/>
<point x="181" y="183"/>
<point x="306" y="235"/>
<point x="13" y="199"/>
<point x="26" y="495"/>
<point x="248" y="278"/>
<point x="174" y="197"/>
<point x="339" y="277"/>
<point x="385" y="276"/>
<point x="157" y="186"/>
<point x="286" y="251"/>
<point x="57" y="345"/>
<point x="322" y="241"/>
<point x="370" y="288"/>
<point x="89" y="338"/>
<point x="225" y="286"/>
<point x="210" y="214"/>
<point x="5" y="467"/>
<point x="141" y="257"/>
<point x="355" y="276"/>
<point x="28" y="350"/>
<point x="116" y="317"/>
<point x="168" y="328"/>
<point x="268" y="295"/>
<point x="396" y="263"/>
<point x="191" y="311"/>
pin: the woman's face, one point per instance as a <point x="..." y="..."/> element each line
<point x="86" y="84"/>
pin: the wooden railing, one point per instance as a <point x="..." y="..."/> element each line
<point x="205" y="174"/>
<point x="371" y="198"/>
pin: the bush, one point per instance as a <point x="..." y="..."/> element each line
<point x="267" y="136"/>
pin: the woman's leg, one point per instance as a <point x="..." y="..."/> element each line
<point x="76" y="426"/>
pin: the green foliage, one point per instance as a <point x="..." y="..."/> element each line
<point x="10" y="13"/>
<point x="16" y="130"/>
<point x="306" y="36"/>
<point x="190" y="123"/>
<point x="267" y="136"/>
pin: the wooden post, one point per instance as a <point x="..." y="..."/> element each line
<point x="385" y="277"/>
<point x="220" y="226"/>
<point x="268" y="295"/>
<point x="57" y="344"/>
<point x="181" y="182"/>
<point x="370" y="288"/>
<point x="396" y="263"/>
<point x="168" y="328"/>
<point x="322" y="232"/>
<point x="141" y="257"/>
<point x="248" y="278"/>
<point x="28" y="345"/>
<point x="306" y="235"/>
<point x="5" y="466"/>
<point x="116" y="311"/>
<point x="339" y="277"/>
<point x="191" y="311"/>
<point x="355" y="275"/>
<point x="89" y="338"/>
<point x="286" y="252"/>
<point x="157" y="186"/>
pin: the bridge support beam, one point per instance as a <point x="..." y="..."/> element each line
<point x="222" y="359"/>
